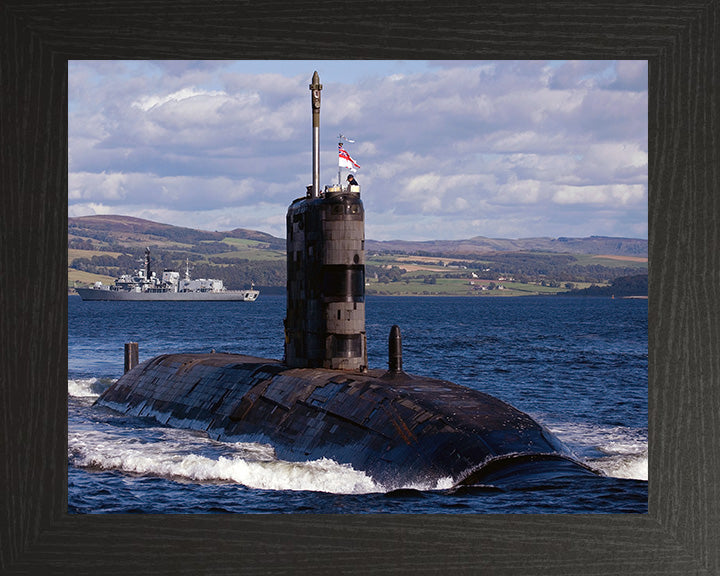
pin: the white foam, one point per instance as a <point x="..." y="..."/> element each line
<point x="259" y="449"/>
<point x="623" y="466"/>
<point x="183" y="455"/>
<point x="100" y="451"/>
<point x="626" y="449"/>
<point x="88" y="387"/>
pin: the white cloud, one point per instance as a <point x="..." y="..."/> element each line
<point x="519" y="191"/>
<point x="146" y="103"/>
<point x="612" y="194"/>
<point x="103" y="186"/>
<point x="449" y="148"/>
<point x="89" y="209"/>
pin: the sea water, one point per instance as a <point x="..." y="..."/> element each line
<point x="579" y="366"/>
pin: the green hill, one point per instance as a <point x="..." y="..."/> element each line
<point x="103" y="247"/>
<point x="100" y="248"/>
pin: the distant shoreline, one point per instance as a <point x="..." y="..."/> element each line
<point x="72" y="292"/>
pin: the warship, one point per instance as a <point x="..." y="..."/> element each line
<point x="322" y="400"/>
<point x="145" y="285"/>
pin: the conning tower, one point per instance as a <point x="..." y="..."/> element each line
<point x="325" y="323"/>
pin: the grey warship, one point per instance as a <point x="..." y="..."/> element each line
<point x="145" y="285"/>
<point x="322" y="399"/>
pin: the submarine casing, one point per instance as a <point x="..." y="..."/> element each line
<point x="397" y="428"/>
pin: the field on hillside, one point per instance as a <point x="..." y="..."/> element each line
<point x="252" y="250"/>
<point x="80" y="278"/>
<point x="459" y="287"/>
<point x="612" y="261"/>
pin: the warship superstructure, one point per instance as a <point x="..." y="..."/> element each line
<point x="321" y="400"/>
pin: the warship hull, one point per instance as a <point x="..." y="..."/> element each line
<point x="229" y="295"/>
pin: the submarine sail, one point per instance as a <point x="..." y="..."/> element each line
<point x="322" y="400"/>
<point x="325" y="322"/>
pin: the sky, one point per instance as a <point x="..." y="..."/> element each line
<point x="447" y="150"/>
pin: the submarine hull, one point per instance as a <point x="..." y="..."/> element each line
<point x="397" y="428"/>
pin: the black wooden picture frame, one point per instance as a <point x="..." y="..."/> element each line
<point x="680" y="534"/>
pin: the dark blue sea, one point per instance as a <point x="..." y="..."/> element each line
<point x="577" y="365"/>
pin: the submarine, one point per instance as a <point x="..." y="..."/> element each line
<point x="322" y="400"/>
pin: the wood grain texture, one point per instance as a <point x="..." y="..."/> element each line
<point x="681" y="533"/>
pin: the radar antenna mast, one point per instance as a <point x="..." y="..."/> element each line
<point x="315" y="88"/>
